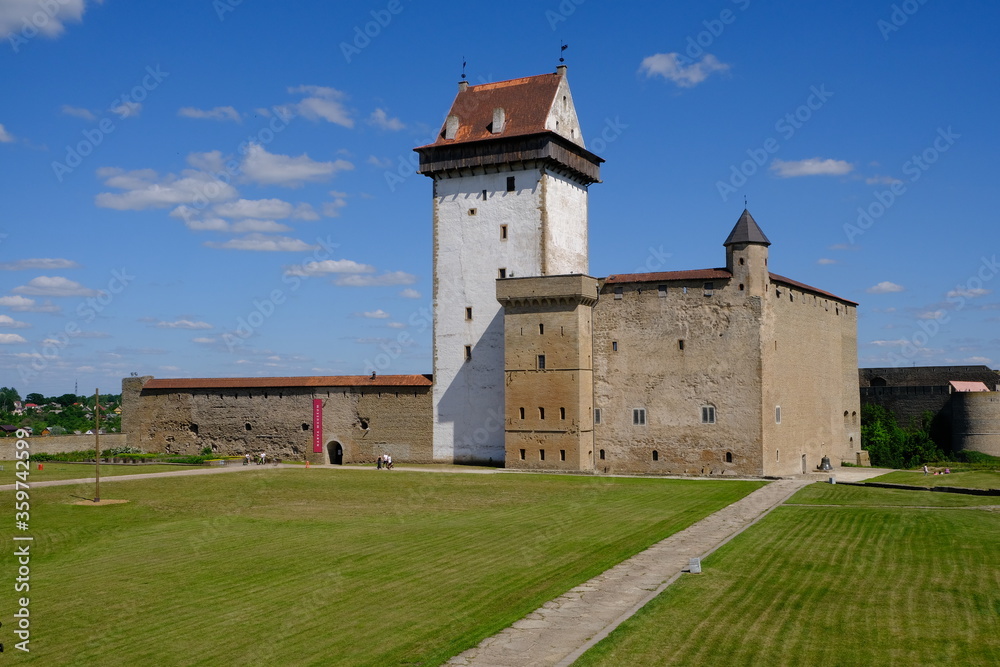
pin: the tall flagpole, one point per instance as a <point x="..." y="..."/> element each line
<point x="97" y="443"/>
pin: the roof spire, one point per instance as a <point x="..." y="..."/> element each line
<point x="746" y="231"/>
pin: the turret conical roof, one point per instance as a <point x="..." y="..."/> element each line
<point x="746" y="231"/>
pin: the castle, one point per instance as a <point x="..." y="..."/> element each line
<point x="729" y="370"/>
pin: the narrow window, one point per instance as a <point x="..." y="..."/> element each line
<point x="541" y="413"/>
<point x="473" y="211"/>
<point x="510" y="184"/>
<point x="503" y="232"/>
<point x="661" y="290"/>
<point x="708" y="414"/>
<point x="484" y="195"/>
<point x="522" y="454"/>
<point x="597" y="415"/>
<point x="562" y="413"/>
<point x="684" y="290"/>
<point x="680" y="344"/>
<point x="614" y="346"/>
<point x="619" y="291"/>
<point x="468" y="352"/>
<point x="847" y="418"/>
<point x="709" y="289"/>
<point x="741" y="259"/>
<point x="601" y="454"/>
<point x="502" y="273"/>
<point x="541" y="362"/>
<point x="777" y="414"/>
<point x="854" y="418"/>
<point x="468" y="312"/>
<point x="305" y="426"/>
<point x="541" y="329"/>
<point x="521" y="410"/>
<point x="656" y="455"/>
<point x="247" y="426"/>
<point x="777" y="458"/>
<point x="741" y="287"/>
<point x="541" y="454"/>
<point x="729" y="457"/>
<point x="562" y="454"/>
<point x="639" y="417"/>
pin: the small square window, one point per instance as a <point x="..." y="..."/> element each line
<point x="639" y="417"/>
<point x="597" y="415"/>
<point x="541" y="362"/>
<point x="619" y="292"/>
<point x="502" y="273"/>
<point x="510" y="184"/>
<point x="468" y="312"/>
<point x="708" y="414"/>
<point x="468" y="352"/>
<point x="473" y="211"/>
<point x="503" y="232"/>
<point x="661" y="290"/>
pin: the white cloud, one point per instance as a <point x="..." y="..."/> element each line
<point x="48" y="18"/>
<point x="825" y="261"/>
<point x="305" y="211"/>
<point x="20" y="304"/>
<point x="889" y="343"/>
<point x="331" y="209"/>
<point x="410" y="293"/>
<point x="271" y="169"/>
<point x="274" y="209"/>
<point x="968" y="292"/>
<point x="931" y="315"/>
<point x="672" y="67"/>
<point x="39" y="264"/>
<point x="215" y="113"/>
<point x="321" y="104"/>
<point x="263" y="226"/>
<point x="11" y="339"/>
<point x="882" y="180"/>
<point x="376" y="315"/>
<point x="381" y="120"/>
<point x="393" y="278"/>
<point x="211" y="161"/>
<point x="262" y="243"/>
<point x="8" y="322"/>
<point x="183" y="324"/>
<point x="378" y="162"/>
<point x="127" y="109"/>
<point x="395" y="325"/>
<point x="986" y="361"/>
<point x="328" y="266"/>
<point x="885" y="287"/>
<point x="79" y="112"/>
<point x="5" y="136"/>
<point x="810" y="167"/>
<point x="54" y="286"/>
<point x="144" y="188"/>
<point x="844" y="246"/>
<point x="201" y="340"/>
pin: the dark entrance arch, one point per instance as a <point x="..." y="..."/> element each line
<point x="336" y="453"/>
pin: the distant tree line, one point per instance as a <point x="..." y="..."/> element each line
<point x="67" y="413"/>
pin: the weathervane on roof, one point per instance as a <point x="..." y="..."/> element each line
<point x="562" y="47"/>
<point x="464" y="63"/>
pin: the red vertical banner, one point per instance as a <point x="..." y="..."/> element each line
<point x="317" y="426"/>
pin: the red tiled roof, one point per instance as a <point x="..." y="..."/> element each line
<point x="663" y="276"/>
<point x="315" y="381"/>
<point x="963" y="386"/>
<point x="794" y="283"/>
<point x="526" y="103"/>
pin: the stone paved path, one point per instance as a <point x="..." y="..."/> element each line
<point x="560" y="631"/>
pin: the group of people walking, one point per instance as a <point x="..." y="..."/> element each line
<point x="384" y="461"/>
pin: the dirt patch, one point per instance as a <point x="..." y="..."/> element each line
<point x="102" y="501"/>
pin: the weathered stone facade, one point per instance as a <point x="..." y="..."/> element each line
<point x="361" y="417"/>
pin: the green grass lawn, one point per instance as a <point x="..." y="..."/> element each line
<point x="856" y="584"/>
<point x="297" y="566"/>
<point x="54" y="471"/>
<point x="973" y="479"/>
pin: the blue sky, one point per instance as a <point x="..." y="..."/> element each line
<point x="199" y="188"/>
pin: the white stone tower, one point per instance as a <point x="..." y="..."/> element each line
<point x="510" y="173"/>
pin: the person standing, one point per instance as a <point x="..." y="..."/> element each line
<point x="378" y="462"/>
<point x="925" y="468"/>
